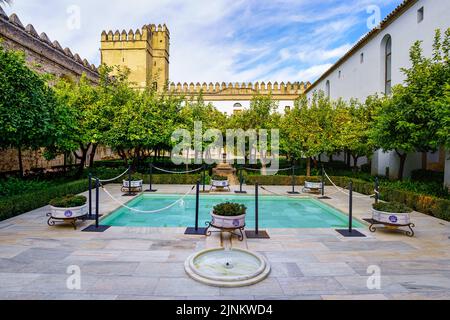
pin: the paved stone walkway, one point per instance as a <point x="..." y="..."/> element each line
<point x="147" y="263"/>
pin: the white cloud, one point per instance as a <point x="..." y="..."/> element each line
<point x="218" y="40"/>
<point x="313" y="72"/>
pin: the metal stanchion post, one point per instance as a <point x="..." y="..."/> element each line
<point x="150" y="189"/>
<point x="196" y="230"/>
<point x="350" y="232"/>
<point x="241" y="181"/>
<point x="293" y="181"/>
<point x="257" y="234"/>
<point x="90" y="195"/>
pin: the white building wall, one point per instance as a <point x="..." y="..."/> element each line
<point x="356" y="79"/>
<point x="227" y="106"/>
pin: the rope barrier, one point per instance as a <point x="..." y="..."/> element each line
<point x="346" y="193"/>
<point x="279" y="194"/>
<point x="109" y="180"/>
<point x="179" y="172"/>
<point x="143" y="211"/>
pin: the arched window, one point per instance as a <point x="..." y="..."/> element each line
<point x="387" y="55"/>
<point x="237" y="108"/>
<point x="327" y="89"/>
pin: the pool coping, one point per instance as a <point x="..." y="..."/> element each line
<point x="300" y="196"/>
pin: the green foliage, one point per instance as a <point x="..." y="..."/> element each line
<point x="279" y="180"/>
<point x="15" y="186"/>
<point x="18" y="204"/>
<point x="427" y="176"/>
<point x="68" y="201"/>
<point x="229" y="209"/>
<point x="392" y="207"/>
<point x="27" y="105"/>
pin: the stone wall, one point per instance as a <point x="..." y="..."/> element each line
<point x="35" y="160"/>
<point x="44" y="56"/>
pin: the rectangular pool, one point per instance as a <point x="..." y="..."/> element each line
<point x="274" y="212"/>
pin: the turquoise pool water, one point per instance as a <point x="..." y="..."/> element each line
<point x="274" y="212"/>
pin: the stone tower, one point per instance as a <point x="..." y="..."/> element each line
<point x="145" y="52"/>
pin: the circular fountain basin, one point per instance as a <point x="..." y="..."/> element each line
<point x="227" y="268"/>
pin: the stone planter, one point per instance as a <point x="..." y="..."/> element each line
<point x="220" y="184"/>
<point x="136" y="185"/>
<point x="391" y="218"/>
<point x="228" y="222"/>
<point x="68" y="213"/>
<point x="313" y="185"/>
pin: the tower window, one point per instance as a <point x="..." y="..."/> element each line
<point x="339" y="74"/>
<point x="361" y="57"/>
<point x="420" y="15"/>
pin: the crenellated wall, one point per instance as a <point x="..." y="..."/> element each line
<point x="41" y="53"/>
<point x="235" y="91"/>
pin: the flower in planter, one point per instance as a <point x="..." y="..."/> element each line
<point x="229" y="209"/>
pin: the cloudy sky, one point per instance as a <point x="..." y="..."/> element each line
<point x="217" y="40"/>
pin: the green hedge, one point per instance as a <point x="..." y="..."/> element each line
<point x="436" y="207"/>
<point x="169" y="178"/>
<point x="18" y="204"/>
<point x="279" y="180"/>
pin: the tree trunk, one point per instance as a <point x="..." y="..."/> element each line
<point x="330" y="158"/>
<point x="355" y="161"/>
<point x="19" y="149"/>
<point x="82" y="158"/>
<point x="308" y="167"/>
<point x="65" y="162"/>
<point x="315" y="163"/>
<point x="401" y="169"/>
<point x="92" y="155"/>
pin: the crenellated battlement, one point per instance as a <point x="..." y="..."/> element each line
<point x="146" y="33"/>
<point x="39" y="47"/>
<point x="295" y="88"/>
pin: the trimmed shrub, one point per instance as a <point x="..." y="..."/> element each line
<point x="392" y="207"/>
<point x="18" y="204"/>
<point x="68" y="201"/>
<point x="427" y="175"/>
<point x="436" y="207"/>
<point x="219" y="178"/>
<point x="279" y="180"/>
<point x="229" y="209"/>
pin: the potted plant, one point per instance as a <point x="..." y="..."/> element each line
<point x="69" y="207"/>
<point x="136" y="184"/>
<point x="312" y="186"/>
<point x="392" y="213"/>
<point x="229" y="215"/>
<point x="220" y="182"/>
